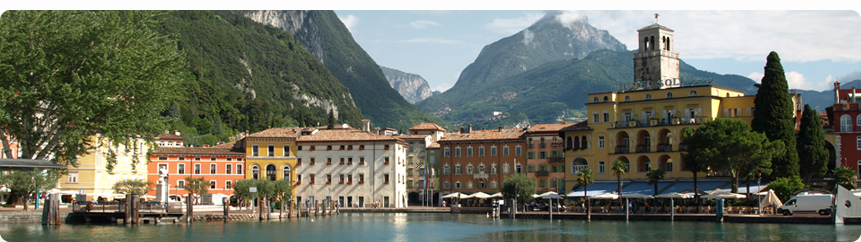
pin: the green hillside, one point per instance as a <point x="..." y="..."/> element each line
<point x="248" y="76"/>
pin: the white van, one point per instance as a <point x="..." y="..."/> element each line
<point x="818" y="203"/>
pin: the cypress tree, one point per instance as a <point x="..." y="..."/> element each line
<point x="813" y="158"/>
<point x="331" y="119"/>
<point x="773" y="116"/>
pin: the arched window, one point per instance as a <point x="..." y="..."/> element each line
<point x="646" y="43"/>
<point x="627" y="98"/>
<point x="652" y="43"/>
<point x="606" y="99"/>
<point x="845" y="122"/>
<point x="668" y="43"/>
<point x="583" y="143"/>
<point x="858" y="120"/>
<point x="595" y="99"/>
<point x="270" y="172"/>
<point x="286" y="171"/>
<point x="693" y="93"/>
<point x="569" y="144"/>
<point x="648" y="96"/>
<point x="576" y="142"/>
<point x="669" y="95"/>
<point x="255" y="172"/>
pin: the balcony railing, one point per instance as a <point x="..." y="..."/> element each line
<point x="622" y="150"/>
<point x="577" y="168"/>
<point x="557" y="145"/>
<point x="644" y="149"/>
<point x="665" y="148"/>
<point x="557" y="160"/>
<point x="480" y="176"/>
<point x="542" y="173"/>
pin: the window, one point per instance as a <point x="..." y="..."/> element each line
<point x="457" y="170"/>
<point x="606" y="117"/>
<point x="239" y="169"/>
<point x="298" y="179"/>
<point x="858" y="142"/>
<point x="493" y="185"/>
<point x="286" y="151"/>
<point x="212" y="158"/>
<point x="342" y="147"/>
<point x="286" y="173"/>
<point x="228" y="169"/>
<point x="446" y="152"/>
<point x="518" y="151"/>
<point x="493" y="151"/>
<point x="601" y="167"/>
<point x="343" y="159"/>
<point x="446" y="185"/>
<point x="446" y="169"/>
<point x="196" y="158"/>
<point x="518" y="169"/>
<point x="600" y="142"/>
<point x="530" y="155"/>
<point x="542" y="155"/>
<point x="196" y="168"/>
<point x="693" y="93"/>
<point x="845" y="123"/>
<point x="361" y="178"/>
<point x="627" y="98"/>
<point x="457" y="185"/>
<point x="211" y="168"/>
<point x="73" y="177"/>
<point x="669" y="167"/>
<point x="409" y="171"/>
<point x="493" y="169"/>
<point x="255" y="172"/>
<point x="595" y="99"/>
<point x="228" y="185"/>
<point x="299" y="147"/>
<point x="361" y="160"/>
<point x="350" y="160"/>
<point x="386" y="147"/>
<point x="229" y="159"/>
<point x="328" y="147"/>
<point x="180" y="184"/>
<point x="255" y="150"/>
<point x="468" y="151"/>
<point x="311" y="179"/>
<point x="181" y="158"/>
<point x="386" y="178"/>
<point x="469" y="185"/>
<point x="529" y="168"/>
<point x="386" y="160"/>
<point x="669" y="95"/>
<point x="328" y="179"/>
<point x="349" y="179"/>
<point x="648" y="96"/>
<point x="469" y="169"/>
<point x="505" y="150"/>
<point x="606" y="99"/>
<point x="457" y="151"/>
<point x="162" y="158"/>
<point x="211" y="184"/>
<point x="481" y="149"/>
<point x="328" y="160"/>
<point x="481" y="169"/>
<point x="313" y="159"/>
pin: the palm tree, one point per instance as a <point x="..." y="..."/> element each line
<point x="655" y="175"/>
<point x="585" y="178"/>
<point x="619" y="168"/>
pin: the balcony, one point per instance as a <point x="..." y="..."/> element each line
<point x="622" y="150"/>
<point x="480" y="176"/>
<point x="665" y="148"/>
<point x="542" y="145"/>
<point x="557" y="145"/>
<point x="577" y="168"/>
<point x="542" y="173"/>
<point x="556" y="160"/>
<point x="530" y="146"/>
<point x="644" y="149"/>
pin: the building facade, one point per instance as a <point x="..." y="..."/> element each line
<point x="480" y="160"/>
<point x="352" y="167"/>
<point x="271" y="154"/>
<point x="221" y="165"/>
<point x="545" y="158"/>
<point x="844" y="134"/>
<point x="421" y="161"/>
<point x="128" y="160"/>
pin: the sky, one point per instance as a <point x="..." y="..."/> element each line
<point x="815" y="47"/>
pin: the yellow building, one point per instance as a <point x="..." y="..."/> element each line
<point x="92" y="176"/>
<point x="642" y="123"/>
<point x="271" y="154"/>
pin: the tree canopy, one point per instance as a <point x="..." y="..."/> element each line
<point x="520" y="187"/>
<point x="739" y="152"/>
<point x="845" y="177"/>
<point x="774" y="116"/>
<point x="70" y="75"/>
<point x="25" y="183"/>
<point x="655" y="175"/>
<point x="585" y="177"/>
<point x="813" y="157"/>
<point x="132" y="186"/>
<point x="197" y="185"/>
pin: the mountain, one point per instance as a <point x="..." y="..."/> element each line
<point x="325" y="36"/>
<point x="249" y="76"/>
<point x="551" y="38"/>
<point x="412" y="87"/>
<point x="821" y="100"/>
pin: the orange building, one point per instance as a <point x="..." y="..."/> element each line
<point x="221" y="165"/>
<point x="480" y="160"/>
<point x="545" y="156"/>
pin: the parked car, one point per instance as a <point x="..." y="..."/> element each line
<point x="818" y="203"/>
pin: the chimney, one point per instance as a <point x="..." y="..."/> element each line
<point x="205" y="146"/>
<point x="470" y="129"/>
<point x="366" y="125"/>
<point x="176" y="132"/>
<point x="166" y="132"/>
<point x="500" y="129"/>
<point x="837" y="91"/>
<point x="462" y="129"/>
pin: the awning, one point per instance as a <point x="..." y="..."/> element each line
<point x="643" y="188"/>
<point x="742" y="188"/>
<point x="688" y="186"/>
<point x="596" y="189"/>
<point x="15" y="164"/>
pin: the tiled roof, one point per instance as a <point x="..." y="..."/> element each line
<point x="276" y="132"/>
<point x="427" y="126"/>
<point x="345" y="135"/>
<point x="169" y="137"/>
<point x="413" y="136"/>
<point x="655" y="25"/>
<point x="218" y="150"/>
<point x="493" y="134"/>
<point x="554" y="127"/>
<point x="433" y="145"/>
<point x="579" y="126"/>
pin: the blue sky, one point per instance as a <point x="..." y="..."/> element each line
<point x="816" y="47"/>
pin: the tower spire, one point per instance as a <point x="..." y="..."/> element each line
<point x="656" y="17"/>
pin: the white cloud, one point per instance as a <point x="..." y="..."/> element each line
<point x="442" y="87"/>
<point x="746" y="35"/>
<point x="350" y="21"/>
<point x="513" y="25"/>
<point x="527" y="37"/>
<point x="420" y="24"/>
<point x="570" y="17"/>
<point x="796" y="80"/>
<point x="430" y="40"/>
<point x="756" y="76"/>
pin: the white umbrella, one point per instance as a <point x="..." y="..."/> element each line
<point x="724" y="195"/>
<point x="455" y="194"/>
<point x="480" y="195"/>
<point x="770" y="199"/>
<point x="496" y="195"/>
<point x="674" y="195"/>
<point x="552" y="196"/>
<point x="605" y="196"/>
<point x="543" y="194"/>
<point x="636" y="195"/>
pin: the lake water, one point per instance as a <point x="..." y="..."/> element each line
<point x="434" y="227"/>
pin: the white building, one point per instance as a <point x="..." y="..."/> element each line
<point x="351" y="166"/>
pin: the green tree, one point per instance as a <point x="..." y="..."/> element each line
<point x="655" y="175"/>
<point x="586" y="177"/>
<point x="519" y="187"/>
<point x="71" y="75"/>
<point x="784" y="187"/>
<point x="845" y="177"/>
<point x="132" y="186"/>
<point x="774" y="116"/>
<point x="25" y="183"/>
<point x="739" y="150"/>
<point x="331" y="119"/>
<point x="197" y="185"/>
<point x="689" y="158"/>
<point x="813" y="158"/>
<point x="619" y="168"/>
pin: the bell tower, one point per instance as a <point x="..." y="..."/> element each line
<point x="656" y="64"/>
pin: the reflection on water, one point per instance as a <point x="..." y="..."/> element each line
<point x="433" y="227"/>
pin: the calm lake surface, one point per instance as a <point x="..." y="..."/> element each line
<point x="434" y="227"/>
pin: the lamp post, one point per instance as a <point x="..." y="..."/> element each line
<point x="758" y="178"/>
